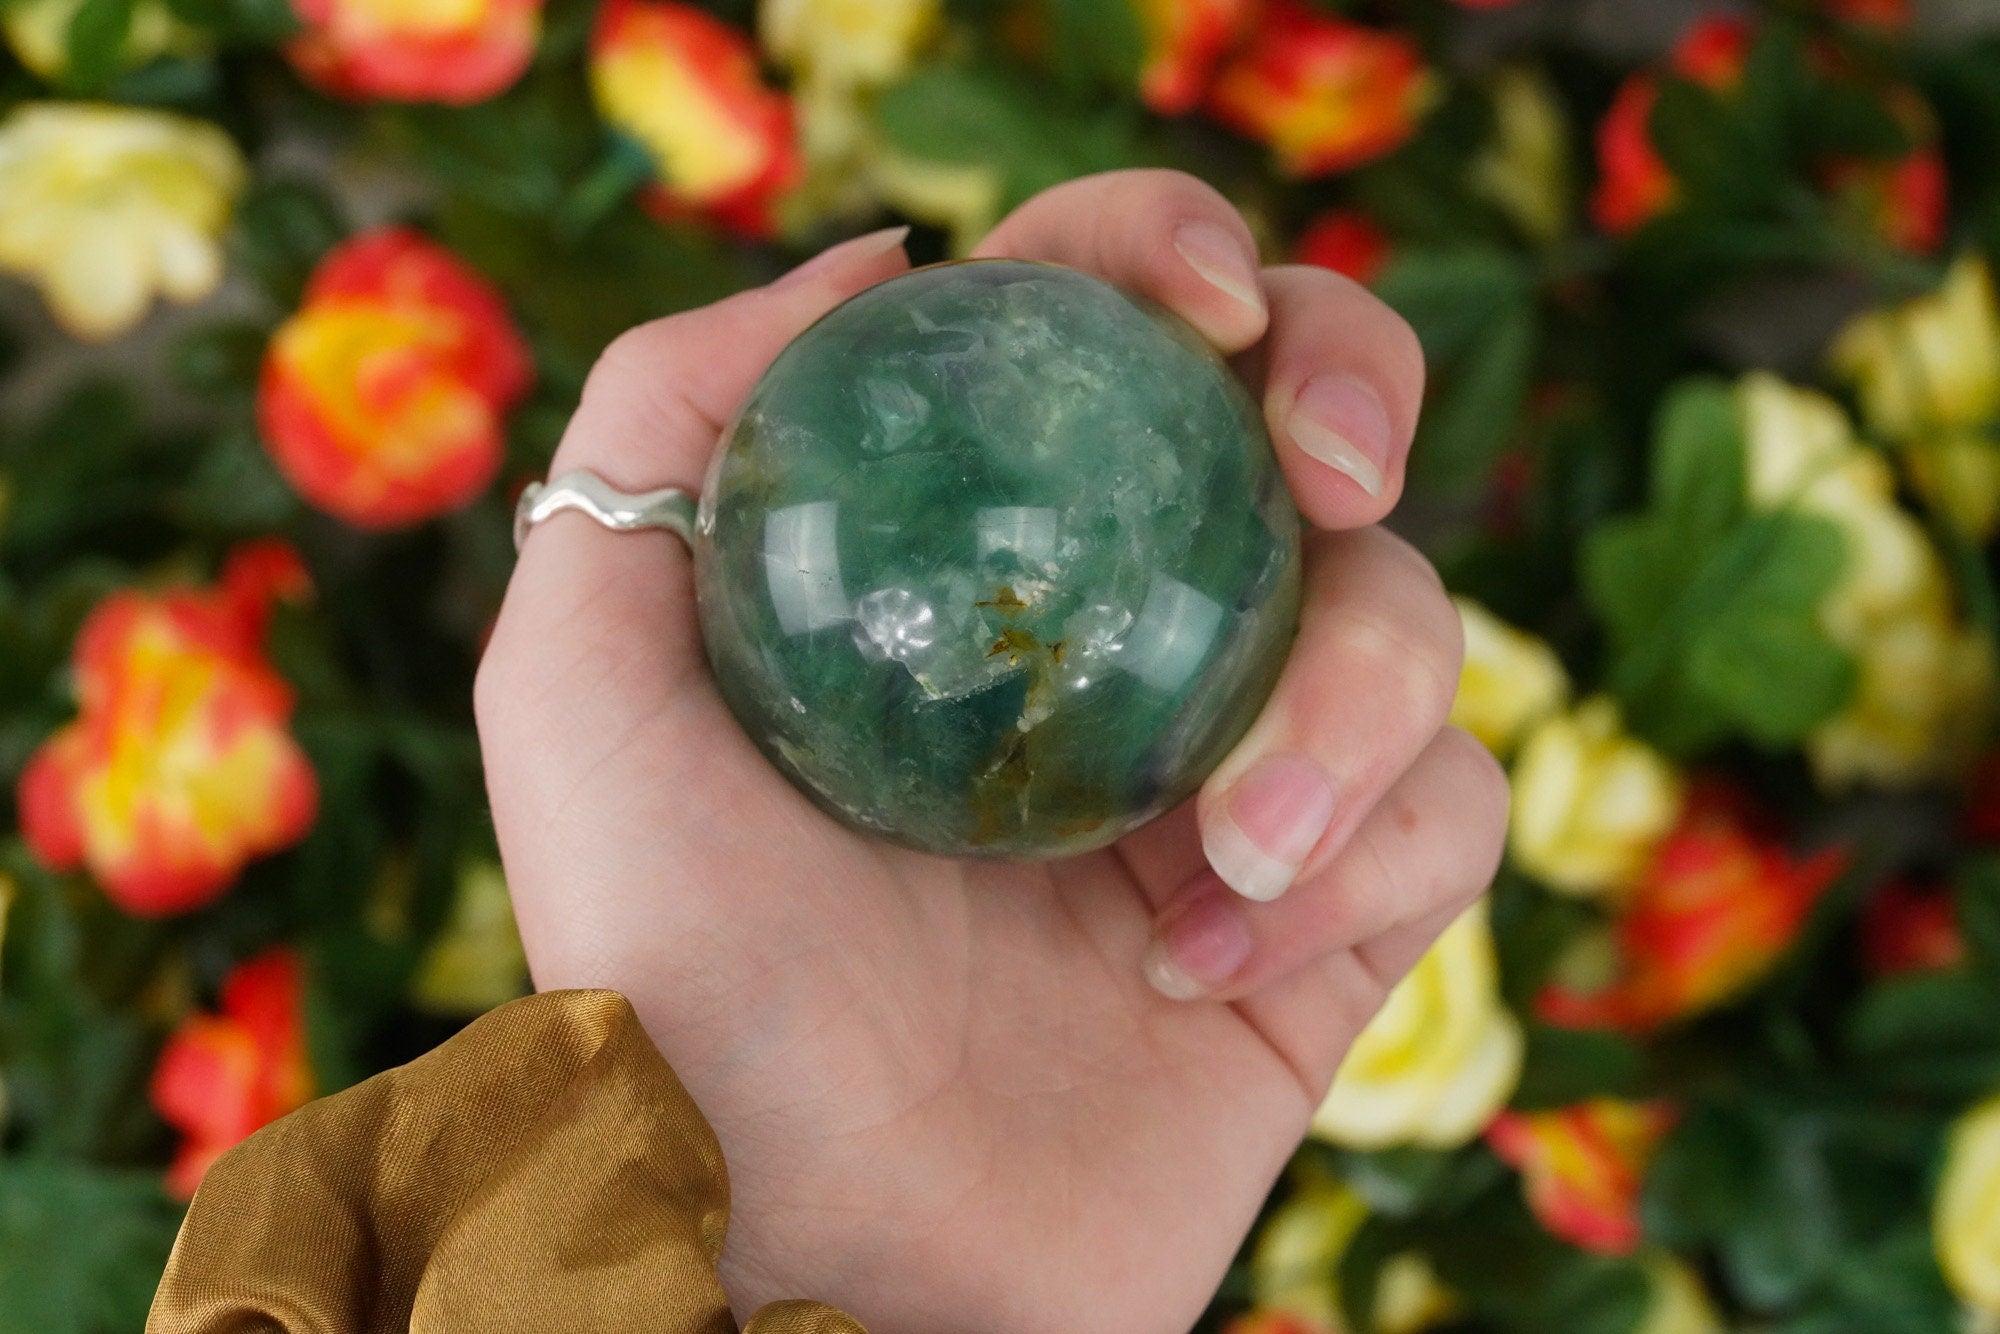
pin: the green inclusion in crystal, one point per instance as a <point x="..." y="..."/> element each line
<point x="997" y="561"/>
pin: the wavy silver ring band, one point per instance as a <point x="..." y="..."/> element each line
<point x="670" y="507"/>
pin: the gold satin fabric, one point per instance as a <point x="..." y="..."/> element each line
<point x="542" y="1171"/>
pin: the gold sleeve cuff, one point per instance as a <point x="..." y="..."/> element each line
<point x="543" y="1170"/>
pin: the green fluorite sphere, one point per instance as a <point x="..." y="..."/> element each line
<point x="997" y="561"/>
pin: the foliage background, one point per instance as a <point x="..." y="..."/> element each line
<point x="1797" y="1182"/>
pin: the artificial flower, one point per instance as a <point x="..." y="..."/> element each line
<point x="1965" y="1221"/>
<point x="105" y="207"/>
<point x="451" y="51"/>
<point x="1324" y="93"/>
<point x="1346" y="241"/>
<point x="476" y="962"/>
<point x="1719" y="903"/>
<point x="1902" y="200"/>
<point x="1582" y="1166"/>
<point x="1932" y="363"/>
<point x="1510" y="680"/>
<point x="384" y="399"/>
<point x="1887" y="15"/>
<point x="1911" y="927"/>
<point x="1442" y="1054"/>
<point x="1958" y="475"/>
<point x="222" y="1076"/>
<point x="180" y="766"/>
<point x="1634" y="183"/>
<point x="847" y="42"/>
<point x="1924" y="679"/>
<point x="37" y="32"/>
<point x="1295" y="1266"/>
<point x="1277" y="1322"/>
<point x="1590" y="801"/>
<point x="1679" y="1303"/>
<point x="1185" y="41"/>
<point x="684" y="87"/>
<point x="1525" y="169"/>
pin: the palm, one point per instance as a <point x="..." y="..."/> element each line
<point x="833" y="1004"/>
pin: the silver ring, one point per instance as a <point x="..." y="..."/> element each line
<point x="670" y="507"/>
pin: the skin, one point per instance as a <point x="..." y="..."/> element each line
<point x="948" y="1097"/>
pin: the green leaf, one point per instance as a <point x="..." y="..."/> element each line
<point x="81" y="1248"/>
<point x="1566" y="1065"/>
<point x="1473" y="309"/>
<point x="979" y="116"/>
<point x="1097" y="41"/>
<point x="1712" y="612"/>
<point x="283" y="229"/>
<point x="97" y="41"/>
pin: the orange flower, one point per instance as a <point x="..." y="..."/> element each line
<point x="1582" y="1166"/>
<point x="384" y="399"/>
<point x="1903" y="200"/>
<point x="683" y="86"/>
<point x="1185" y="40"/>
<point x="454" y="51"/>
<point x="1716" y="907"/>
<point x="1911" y="928"/>
<point x="1324" y="93"/>
<point x="1346" y="242"/>
<point x="1888" y="15"/>
<point x="179" y="767"/>
<point x="222" y="1076"/>
<point x="1274" y="1322"/>
<point x="1634" y="185"/>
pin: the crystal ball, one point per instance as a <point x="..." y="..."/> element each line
<point x="996" y="561"/>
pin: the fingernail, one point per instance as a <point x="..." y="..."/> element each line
<point x="1221" y="260"/>
<point x="1198" y="948"/>
<point x="1267" y="825"/>
<point x="1341" y="421"/>
<point x="846" y="253"/>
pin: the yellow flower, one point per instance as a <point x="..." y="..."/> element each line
<point x="1680" y="1304"/>
<point x="38" y="33"/>
<point x="105" y="206"/>
<point x="476" y="962"/>
<point x="1923" y="696"/>
<point x="1958" y="475"/>
<point x="846" y="42"/>
<point x="1295" y="1265"/>
<point x="1590" y="802"/>
<point x="963" y="199"/>
<point x="1525" y="171"/>
<point x="1440" y="1058"/>
<point x="1924" y="680"/>
<point x="1966" y="1221"/>
<point x="1511" y="680"/>
<point x="1932" y="363"/>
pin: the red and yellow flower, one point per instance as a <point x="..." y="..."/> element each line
<point x="384" y="399"/>
<point x="1634" y="184"/>
<point x="1345" y="241"/>
<point x="1276" y="1322"/>
<point x="452" y="51"/>
<point x="684" y="86"/>
<point x="1582" y="1167"/>
<point x="1324" y="93"/>
<point x="222" y="1076"/>
<point x="1717" y="906"/>
<point x="1887" y="15"/>
<point x="1185" y="41"/>
<point x="1905" y="199"/>
<point x="180" y="766"/>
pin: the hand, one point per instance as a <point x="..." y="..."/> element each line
<point x="953" y="1095"/>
